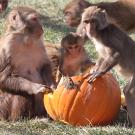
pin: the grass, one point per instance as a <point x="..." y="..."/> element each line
<point x="54" y="30"/>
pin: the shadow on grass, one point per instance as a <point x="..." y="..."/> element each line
<point x="56" y="25"/>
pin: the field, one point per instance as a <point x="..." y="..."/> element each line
<point x="54" y="30"/>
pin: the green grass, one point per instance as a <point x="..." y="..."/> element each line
<point x="54" y="30"/>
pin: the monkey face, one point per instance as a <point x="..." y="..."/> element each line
<point x="93" y="20"/>
<point x="74" y="50"/>
<point x="72" y="16"/>
<point x="25" y="19"/>
<point x="33" y="25"/>
<point x="73" y="12"/>
<point x="72" y="44"/>
<point x="3" y="5"/>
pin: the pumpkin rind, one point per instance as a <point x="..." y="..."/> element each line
<point x="94" y="104"/>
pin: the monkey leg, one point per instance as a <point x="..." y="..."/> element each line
<point x="39" y="105"/>
<point x="5" y="106"/>
<point x="22" y="107"/>
<point x="129" y="92"/>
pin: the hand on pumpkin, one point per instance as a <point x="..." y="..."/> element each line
<point x="37" y="88"/>
<point x="94" y="75"/>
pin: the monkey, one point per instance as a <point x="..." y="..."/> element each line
<point x="120" y="12"/>
<point x="3" y="5"/>
<point x="73" y="11"/>
<point x="74" y="59"/>
<point x="116" y="50"/>
<point x="25" y="70"/>
<point x="54" y="54"/>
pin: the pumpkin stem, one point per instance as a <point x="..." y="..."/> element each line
<point x="72" y="85"/>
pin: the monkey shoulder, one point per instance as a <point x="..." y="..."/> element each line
<point x="100" y="47"/>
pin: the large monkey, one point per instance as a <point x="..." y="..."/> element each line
<point x="115" y="48"/>
<point x="120" y="13"/>
<point x="25" y="71"/>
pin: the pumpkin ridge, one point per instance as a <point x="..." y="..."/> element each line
<point x="74" y="103"/>
<point x="52" y="108"/>
<point x="96" y="111"/>
<point x="98" y="115"/>
<point x="111" y="96"/>
<point x="114" y="95"/>
<point x="64" y="104"/>
<point x="59" y="103"/>
<point x="71" y="104"/>
<point x="70" y="113"/>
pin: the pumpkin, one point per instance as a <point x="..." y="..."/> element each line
<point x="90" y="104"/>
<point x="123" y="100"/>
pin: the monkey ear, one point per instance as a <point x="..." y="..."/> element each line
<point x="13" y="16"/>
<point x="84" y="3"/>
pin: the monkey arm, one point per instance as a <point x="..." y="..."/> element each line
<point x="17" y="84"/>
<point x="98" y="64"/>
<point x="46" y="72"/>
<point x="105" y="66"/>
<point x="108" y="63"/>
<point x="13" y="83"/>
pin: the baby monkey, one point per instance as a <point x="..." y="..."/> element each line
<point x="74" y="59"/>
<point x="115" y="49"/>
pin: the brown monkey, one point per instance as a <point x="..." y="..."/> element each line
<point x="73" y="11"/>
<point x="3" y="5"/>
<point x="115" y="48"/>
<point x="120" y="13"/>
<point x="74" y="58"/>
<point x="24" y="66"/>
<point x="54" y="54"/>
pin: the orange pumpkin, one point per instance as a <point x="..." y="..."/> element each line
<point x="94" y="104"/>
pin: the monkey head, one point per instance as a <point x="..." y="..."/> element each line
<point x="93" y="20"/>
<point x="3" y="5"/>
<point x="73" y="11"/>
<point x="72" y="44"/>
<point x="25" y="19"/>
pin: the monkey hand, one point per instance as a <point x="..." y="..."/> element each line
<point x="37" y="88"/>
<point x="94" y="75"/>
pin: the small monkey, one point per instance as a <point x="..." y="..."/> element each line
<point x="74" y="59"/>
<point x="120" y="13"/>
<point x="115" y="48"/>
<point x="25" y="70"/>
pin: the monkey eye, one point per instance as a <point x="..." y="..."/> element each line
<point x="70" y="47"/>
<point x="67" y="13"/>
<point x="76" y="46"/>
<point x="86" y="21"/>
<point x="73" y="47"/>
